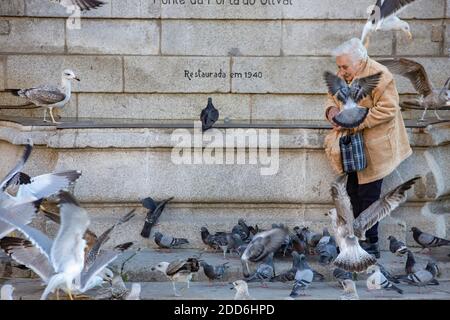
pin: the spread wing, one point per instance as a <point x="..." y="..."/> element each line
<point x="381" y="208"/>
<point x="82" y="4"/>
<point x="342" y="202"/>
<point x="102" y="261"/>
<point x="363" y="87"/>
<point x="390" y="7"/>
<point x="412" y="70"/>
<point x="19" y="166"/>
<point x="335" y="85"/>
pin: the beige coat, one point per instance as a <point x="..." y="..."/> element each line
<point x="385" y="139"/>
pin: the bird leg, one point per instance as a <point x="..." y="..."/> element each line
<point x="366" y="43"/>
<point x="45" y="115"/>
<point x="51" y="114"/>
<point x="437" y="116"/>
<point x="423" y="115"/>
<point x="175" y="290"/>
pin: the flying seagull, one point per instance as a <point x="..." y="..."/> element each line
<point x="383" y="17"/>
<point x="82" y="4"/>
<point x="209" y="116"/>
<point x="415" y="72"/>
<point x="48" y="96"/>
<point x="348" y="230"/>
<point x="352" y="115"/>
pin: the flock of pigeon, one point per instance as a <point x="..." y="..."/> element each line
<point x="382" y="18"/>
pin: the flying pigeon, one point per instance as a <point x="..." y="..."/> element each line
<point x="397" y="247"/>
<point x="352" y="115"/>
<point x="81" y="4"/>
<point x="168" y="242"/>
<point x="303" y="278"/>
<point x="415" y="72"/>
<point x="261" y="246"/>
<point x="241" y="290"/>
<point x="426" y="240"/>
<point x="209" y="116"/>
<point x="214" y="272"/>
<point x="384" y="18"/>
<point x="378" y="281"/>
<point x="180" y="270"/>
<point x="154" y="212"/>
<point x="350" y="292"/>
<point x="50" y="97"/>
<point x="347" y="229"/>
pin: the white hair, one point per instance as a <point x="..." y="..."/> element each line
<point x="353" y="47"/>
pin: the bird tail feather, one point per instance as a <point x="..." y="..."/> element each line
<point x="353" y="258"/>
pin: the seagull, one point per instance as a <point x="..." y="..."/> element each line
<point x="415" y="72"/>
<point x="347" y="229"/>
<point x="209" y="116"/>
<point x="352" y="115"/>
<point x="383" y="17"/>
<point x="180" y="270"/>
<point x="262" y="245"/>
<point x="154" y="212"/>
<point x="81" y="4"/>
<point x="350" y="292"/>
<point x="48" y="96"/>
<point x="6" y="292"/>
<point x="241" y="290"/>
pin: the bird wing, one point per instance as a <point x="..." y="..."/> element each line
<point x="102" y="261"/>
<point x="45" y="95"/>
<point x="342" y="203"/>
<point x="25" y="253"/>
<point x="82" y="4"/>
<point x="104" y="237"/>
<point x="69" y="240"/>
<point x="264" y="243"/>
<point x="443" y="92"/>
<point x="335" y="85"/>
<point x="46" y="185"/>
<point x="412" y="70"/>
<point x="390" y="7"/>
<point x="175" y="266"/>
<point x="19" y="166"/>
<point x="382" y="207"/>
<point x="363" y="87"/>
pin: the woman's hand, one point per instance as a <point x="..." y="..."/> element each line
<point x="331" y="114"/>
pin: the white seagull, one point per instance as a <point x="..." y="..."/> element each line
<point x="48" y="96"/>
<point x="383" y="17"/>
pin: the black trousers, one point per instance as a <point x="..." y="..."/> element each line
<point x="361" y="197"/>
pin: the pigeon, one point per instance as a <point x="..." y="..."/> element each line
<point x="209" y="116"/>
<point x="180" y="270"/>
<point x="214" y="272"/>
<point x="383" y="17"/>
<point x="168" y="242"/>
<point x="341" y="275"/>
<point x="311" y="238"/>
<point x="50" y="97"/>
<point x="348" y="230"/>
<point x="387" y="274"/>
<point x="220" y="240"/>
<point x="327" y="250"/>
<point x="420" y="278"/>
<point x="410" y="263"/>
<point x="397" y="247"/>
<point x="433" y="268"/>
<point x="426" y="240"/>
<point x="235" y="243"/>
<point x="6" y="292"/>
<point x="83" y="5"/>
<point x="265" y="271"/>
<point x="303" y="278"/>
<point x="352" y="115"/>
<point x="416" y="73"/>
<point x="241" y="290"/>
<point x="154" y="211"/>
<point x="350" y="292"/>
<point x="378" y="281"/>
<point x="298" y="245"/>
<point x="242" y="230"/>
<point x="261" y="246"/>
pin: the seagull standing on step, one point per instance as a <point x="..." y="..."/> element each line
<point x="83" y="5"/>
<point x="209" y="116"/>
<point x="351" y="115"/>
<point x="50" y="97"/>
<point x="383" y="17"/>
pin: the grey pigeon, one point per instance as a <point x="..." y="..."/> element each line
<point x="352" y="115"/>
<point x="303" y="278"/>
<point x="168" y="242"/>
<point x="397" y="247"/>
<point x="264" y="272"/>
<point x="378" y="281"/>
<point x="261" y="246"/>
<point x="234" y="242"/>
<point x="154" y="212"/>
<point x="340" y="275"/>
<point x="326" y="249"/>
<point x="420" y="278"/>
<point x="410" y="263"/>
<point x="209" y="116"/>
<point x="427" y="240"/>
<point x="242" y="229"/>
<point x="433" y="268"/>
<point x="214" y="272"/>
<point x="387" y="274"/>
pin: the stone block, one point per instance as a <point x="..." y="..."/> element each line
<point x="424" y="41"/>
<point x="12" y="8"/>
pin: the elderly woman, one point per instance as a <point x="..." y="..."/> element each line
<point x="384" y="134"/>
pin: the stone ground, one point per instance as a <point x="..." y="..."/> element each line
<point x="155" y="285"/>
